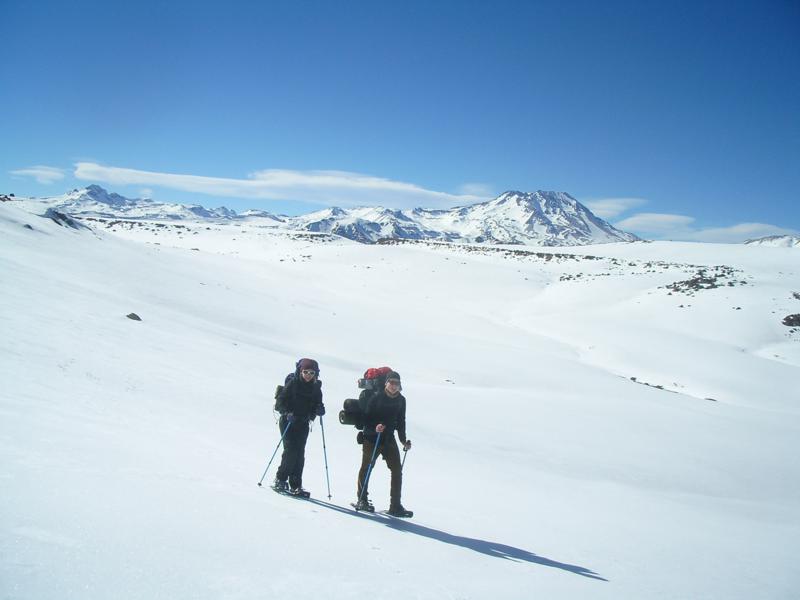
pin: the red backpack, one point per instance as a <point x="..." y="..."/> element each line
<point x="374" y="378"/>
<point x="352" y="412"/>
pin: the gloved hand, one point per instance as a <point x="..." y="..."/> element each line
<point x="321" y="410"/>
<point x="407" y="445"/>
<point x="289" y="417"/>
<point x="379" y="428"/>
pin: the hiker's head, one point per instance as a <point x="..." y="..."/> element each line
<point x="307" y="368"/>
<point x="393" y="385"/>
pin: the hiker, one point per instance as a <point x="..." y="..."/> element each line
<point x="385" y="413"/>
<point x="298" y="403"/>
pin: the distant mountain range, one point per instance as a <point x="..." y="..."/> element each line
<point x="94" y="201"/>
<point x="776" y="241"/>
<point x="534" y="218"/>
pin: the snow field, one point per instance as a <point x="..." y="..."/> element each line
<point x="131" y="449"/>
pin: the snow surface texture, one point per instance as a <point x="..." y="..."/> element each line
<point x="546" y="461"/>
<point x="546" y="218"/>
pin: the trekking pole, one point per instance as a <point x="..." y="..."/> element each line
<point x="325" y="454"/>
<point x="369" y="470"/>
<point x="405" y="452"/>
<point x="274" y="453"/>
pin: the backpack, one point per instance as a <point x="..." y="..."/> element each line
<point x="279" y="390"/>
<point x="374" y="378"/>
<point x="352" y="412"/>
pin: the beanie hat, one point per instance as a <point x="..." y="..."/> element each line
<point x="393" y="375"/>
<point x="307" y="363"/>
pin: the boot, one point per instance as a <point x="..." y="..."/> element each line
<point x="280" y="486"/>
<point x="299" y="492"/>
<point x="365" y="505"/>
<point x="398" y="510"/>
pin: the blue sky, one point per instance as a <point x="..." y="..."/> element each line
<point x="675" y="120"/>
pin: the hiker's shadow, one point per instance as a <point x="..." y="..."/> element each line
<point x="483" y="546"/>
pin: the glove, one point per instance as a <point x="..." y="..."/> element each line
<point x="379" y="428"/>
<point x="407" y="445"/>
<point x="289" y="417"/>
<point x="321" y="410"/>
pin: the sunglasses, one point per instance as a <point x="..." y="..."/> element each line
<point x="308" y="372"/>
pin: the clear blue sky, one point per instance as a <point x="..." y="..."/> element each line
<point x="675" y="119"/>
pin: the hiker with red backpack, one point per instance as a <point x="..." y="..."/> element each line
<point x="298" y="402"/>
<point x="384" y="413"/>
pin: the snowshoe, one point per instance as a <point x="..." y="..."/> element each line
<point x="363" y="505"/>
<point x="299" y="492"/>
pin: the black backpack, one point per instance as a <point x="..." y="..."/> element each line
<point x="353" y="411"/>
<point x="279" y="389"/>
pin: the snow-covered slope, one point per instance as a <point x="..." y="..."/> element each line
<point x="615" y="421"/>
<point x="776" y="241"/>
<point x="542" y="218"/>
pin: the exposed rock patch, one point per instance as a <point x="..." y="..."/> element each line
<point x="706" y="279"/>
<point x="60" y="218"/>
<point x="791" y="320"/>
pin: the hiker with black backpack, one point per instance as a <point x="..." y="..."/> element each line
<point x="384" y="413"/>
<point x="299" y="403"/>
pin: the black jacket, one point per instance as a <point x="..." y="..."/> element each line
<point x="382" y="408"/>
<point x="300" y="398"/>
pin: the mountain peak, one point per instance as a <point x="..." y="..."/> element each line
<point x="95" y="189"/>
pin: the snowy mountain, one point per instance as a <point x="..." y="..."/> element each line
<point x="95" y="201"/>
<point x="540" y="218"/>
<point x="606" y="422"/>
<point x="776" y="241"/>
<point x="364" y="224"/>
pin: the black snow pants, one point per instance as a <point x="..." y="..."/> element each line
<point x="294" y="452"/>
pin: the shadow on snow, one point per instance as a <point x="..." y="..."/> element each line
<point x="484" y="547"/>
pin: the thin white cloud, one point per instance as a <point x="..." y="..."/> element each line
<point x="658" y="223"/>
<point x="739" y="233"/>
<point x="41" y="173"/>
<point x="680" y="227"/>
<point x="320" y="187"/>
<point x="608" y="208"/>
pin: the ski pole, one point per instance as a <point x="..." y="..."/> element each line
<point x="405" y="453"/>
<point x="369" y="470"/>
<point x="325" y="454"/>
<point x="274" y="453"/>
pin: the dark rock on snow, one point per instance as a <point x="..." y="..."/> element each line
<point x="791" y="321"/>
<point x="60" y="218"/>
